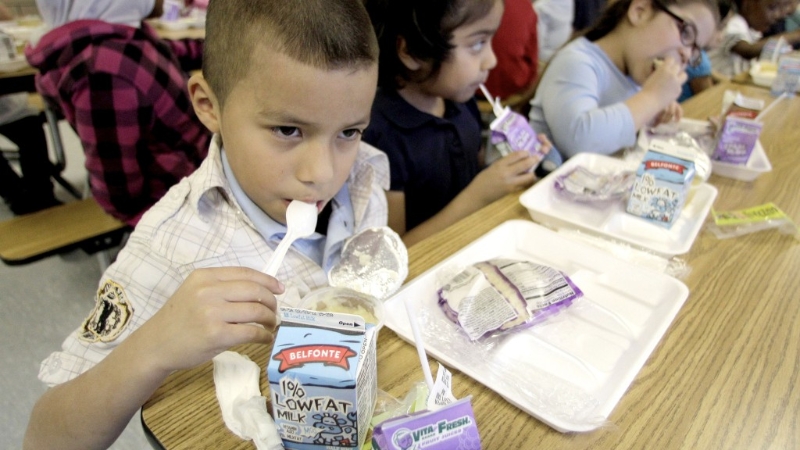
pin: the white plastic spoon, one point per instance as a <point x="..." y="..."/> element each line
<point x="301" y="220"/>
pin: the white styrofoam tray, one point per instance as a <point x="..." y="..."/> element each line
<point x="610" y="219"/>
<point x="763" y="77"/>
<point x="757" y="164"/>
<point x="596" y="346"/>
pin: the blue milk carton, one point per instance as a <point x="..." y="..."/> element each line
<point x="322" y="379"/>
<point x="662" y="184"/>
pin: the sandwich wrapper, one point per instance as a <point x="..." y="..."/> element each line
<point x="374" y="262"/>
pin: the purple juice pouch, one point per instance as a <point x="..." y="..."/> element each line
<point x="511" y="132"/>
<point x="736" y="140"/>
<point x="451" y="427"/>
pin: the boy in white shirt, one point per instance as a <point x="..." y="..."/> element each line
<point x="287" y="88"/>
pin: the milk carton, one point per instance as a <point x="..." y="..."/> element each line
<point x="662" y="183"/>
<point x="322" y="379"/>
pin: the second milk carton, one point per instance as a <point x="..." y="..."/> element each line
<point x="322" y="379"/>
<point x="662" y="183"/>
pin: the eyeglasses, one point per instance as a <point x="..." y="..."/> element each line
<point x="687" y="30"/>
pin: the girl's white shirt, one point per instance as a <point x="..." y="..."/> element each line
<point x="723" y="60"/>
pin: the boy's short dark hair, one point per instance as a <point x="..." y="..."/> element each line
<point x="427" y="27"/>
<point x="328" y="34"/>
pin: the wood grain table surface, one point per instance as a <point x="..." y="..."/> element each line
<point x="726" y="375"/>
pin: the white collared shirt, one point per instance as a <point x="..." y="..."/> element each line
<point x="199" y="223"/>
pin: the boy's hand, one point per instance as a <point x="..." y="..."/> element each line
<point x="666" y="81"/>
<point x="508" y="174"/>
<point x="213" y="310"/>
<point x="672" y="113"/>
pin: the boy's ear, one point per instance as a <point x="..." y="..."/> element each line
<point x="638" y="11"/>
<point x="205" y="102"/>
<point x="411" y="63"/>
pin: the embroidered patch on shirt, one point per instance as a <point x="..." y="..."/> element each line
<point x="110" y="315"/>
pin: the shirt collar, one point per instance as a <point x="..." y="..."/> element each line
<point x="267" y="227"/>
<point x="211" y="188"/>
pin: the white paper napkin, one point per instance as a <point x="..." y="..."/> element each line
<point x="244" y="409"/>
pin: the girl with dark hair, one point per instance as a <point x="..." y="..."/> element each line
<point x="624" y="73"/>
<point x="433" y="56"/>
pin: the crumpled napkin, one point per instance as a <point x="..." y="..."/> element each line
<point x="244" y="409"/>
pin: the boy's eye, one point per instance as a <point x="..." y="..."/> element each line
<point x="351" y="133"/>
<point x="287" y="131"/>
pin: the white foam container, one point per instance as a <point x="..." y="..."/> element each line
<point x="596" y="346"/>
<point x="610" y="219"/>
<point x="757" y="165"/>
<point x="762" y="77"/>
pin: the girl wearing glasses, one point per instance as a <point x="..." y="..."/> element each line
<point x="622" y="74"/>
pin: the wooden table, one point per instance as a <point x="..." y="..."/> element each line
<point x="725" y="375"/>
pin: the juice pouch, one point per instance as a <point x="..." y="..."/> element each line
<point x="739" y="133"/>
<point x="737" y="139"/>
<point x="322" y="379"/>
<point x="511" y="132"/>
<point x="662" y="183"/>
<point x="450" y="427"/>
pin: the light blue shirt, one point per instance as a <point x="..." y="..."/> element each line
<point x="315" y="247"/>
<point x="579" y="102"/>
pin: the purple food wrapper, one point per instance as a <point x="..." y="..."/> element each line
<point x="501" y="295"/>
<point x="511" y="132"/>
<point x="451" y="427"/>
<point x="737" y="139"/>
<point x="581" y="184"/>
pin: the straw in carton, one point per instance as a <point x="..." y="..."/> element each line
<point x="760" y="116"/>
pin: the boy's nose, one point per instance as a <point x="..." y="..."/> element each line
<point x="315" y="163"/>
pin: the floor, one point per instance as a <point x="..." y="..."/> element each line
<point x="37" y="316"/>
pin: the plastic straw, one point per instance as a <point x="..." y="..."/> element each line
<point x="776" y="52"/>
<point x="423" y="359"/>
<point x="764" y="111"/>
<point x="498" y="110"/>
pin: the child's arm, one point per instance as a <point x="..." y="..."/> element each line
<point x="506" y="175"/>
<point x="571" y="93"/>
<point x="700" y="84"/>
<point x="658" y="94"/>
<point x="750" y="50"/>
<point x="213" y="310"/>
